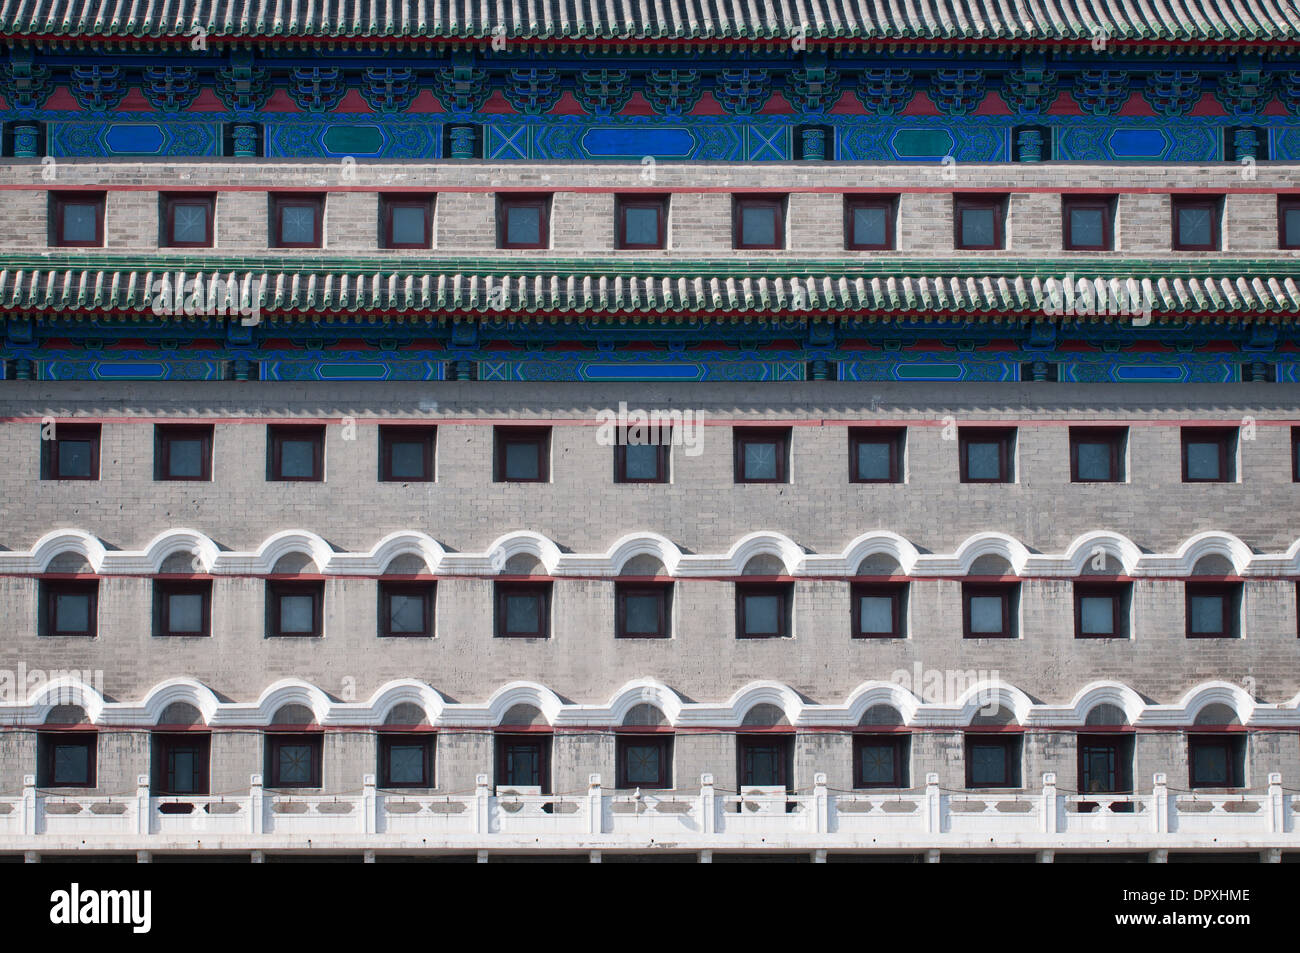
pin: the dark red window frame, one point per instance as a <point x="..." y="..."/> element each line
<point x="1103" y="204"/>
<point x="171" y="201"/>
<point x="894" y="590"/>
<point x="1012" y="742"/>
<point x="278" y="434"/>
<point x="1006" y="590"/>
<point x="165" y="745"/>
<point x="427" y="740"/>
<point x="890" y="436"/>
<point x="164" y="588"/>
<point x="1113" y="437"/>
<point x="746" y="744"/>
<point x="49" y="741"/>
<point x="276" y="589"/>
<point x="281" y="202"/>
<point x="778" y="435"/>
<point x="743" y="203"/>
<point x="901" y="742"/>
<point x="1226" y="437"/>
<point x="1215" y="207"/>
<point x="1118" y="593"/>
<point x="1234" y="745"/>
<point x="783" y="590"/>
<point x="541" y="740"/>
<point x="970" y="203"/>
<point x="1003" y="436"/>
<point x="1120" y="746"/>
<point x="427" y="591"/>
<point x="388" y="203"/>
<point x="663" y="741"/>
<point x="620" y="465"/>
<point x="661" y="590"/>
<point x="624" y="202"/>
<point x="59" y="200"/>
<point x="164" y="434"/>
<point x="541" y="591"/>
<point x="507" y="202"/>
<point x="276" y="740"/>
<point x="1286" y="203"/>
<point x="539" y="437"/>
<point x="1295" y="454"/>
<point x="1230" y="592"/>
<point x="51" y="589"/>
<point x="70" y="431"/>
<point x="389" y="435"/>
<point x="855" y="202"/>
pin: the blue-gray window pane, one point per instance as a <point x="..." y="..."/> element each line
<point x="1203" y="461"/>
<point x="405" y="613"/>
<point x="1088" y="227"/>
<point x="642" y="613"/>
<point x="876" y="614"/>
<point x="1195" y="226"/>
<point x="641" y="461"/>
<point x="1094" y="461"/>
<point x="873" y="461"/>
<point x="185" y="457"/>
<point x="641" y="226"/>
<point x="762" y="615"/>
<point x="407" y="459"/>
<point x="978" y="228"/>
<point x="758" y="225"/>
<point x="522" y="461"/>
<point x="983" y="461"/>
<point x="642" y="764"/>
<point x="869" y="225"/>
<point x="298" y="225"/>
<point x="1207" y="614"/>
<point x="79" y="221"/>
<point x="1097" y="615"/>
<point x="185" y="612"/>
<point x="295" y="764"/>
<point x="523" y="612"/>
<point x="73" y="611"/>
<point x="75" y="458"/>
<point x="760" y="461"/>
<point x="986" y="613"/>
<point x="298" y="458"/>
<point x="296" y="613"/>
<point x="71" y="764"/>
<point x="524" y="225"/>
<point x="408" y="225"/>
<point x="406" y="764"/>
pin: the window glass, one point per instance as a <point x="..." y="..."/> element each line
<point x="763" y="614"/>
<point x="984" y="460"/>
<point x="189" y="222"/>
<point x="1097" y="615"/>
<point x="1087" y="227"/>
<point x="1207" y="613"/>
<point x="640" y="225"/>
<point x="642" y="613"/>
<point x="988" y="765"/>
<point x="296" y="613"/>
<point x="523" y="225"/>
<point x="522" y="461"/>
<point x="873" y="461"/>
<point x="80" y="220"/>
<point x="297" y="457"/>
<point x="185" y="612"/>
<point x="876" y="614"/>
<point x="73" y="612"/>
<point x="641" y="763"/>
<point x="986" y="613"/>
<point x="878" y="763"/>
<point x="1203" y="460"/>
<point x="71" y="764"/>
<point x="295" y="763"/>
<point x="978" y="228"/>
<point x="76" y="457"/>
<point x="298" y="224"/>
<point x="405" y="612"/>
<point x="641" y="461"/>
<point x="758" y="225"/>
<point x="870" y="225"/>
<point x="408" y="224"/>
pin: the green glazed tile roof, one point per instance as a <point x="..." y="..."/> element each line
<point x="1214" y="291"/>
<point x="1154" y="20"/>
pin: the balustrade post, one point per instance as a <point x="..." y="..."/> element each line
<point x="1050" y="816"/>
<point x="142" y="824"/>
<point x="708" y="805"/>
<point x="482" y="796"/>
<point x="369" y="805"/>
<point x="595" y="806"/>
<point x="821" y="804"/>
<point x="1160" y="803"/>
<point x="256" y="819"/>
<point x="933" y="806"/>
<point x="29" y="804"/>
<point x="1276" y="804"/>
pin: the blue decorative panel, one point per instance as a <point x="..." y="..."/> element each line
<point x="1184" y="141"/>
<point x="664" y="142"/>
<point x="171" y="138"/>
<point x="362" y="368"/>
<point x="1138" y="143"/>
<point x="369" y="139"/>
<point x="168" y="368"/>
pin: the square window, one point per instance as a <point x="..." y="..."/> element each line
<point x="641" y="462"/>
<point x="70" y="452"/>
<point x="641" y="221"/>
<point x="644" y="761"/>
<point x="763" y="610"/>
<point x="1105" y="764"/>
<point x="182" y="452"/>
<point x="875" y="455"/>
<point x="294" y="760"/>
<point x="523" y="610"/>
<point x="182" y="607"/>
<point x="406" y="609"/>
<point x="70" y="607"/>
<point x="761" y="455"/>
<point x="78" y="219"/>
<point x="1196" y="223"/>
<point x="180" y="763"/>
<point x="524" y="761"/>
<point x="877" y="610"/>
<point x="406" y="759"/>
<point x="66" y="759"/>
<point x="523" y="221"/>
<point x="993" y="761"/>
<point x="296" y="221"/>
<point x="1097" y="454"/>
<point x="758" y="222"/>
<point x="986" y="454"/>
<point x="1216" y="761"/>
<point x="297" y="454"/>
<point x="1101" y="610"/>
<point x="1087" y="223"/>
<point x="989" y="610"/>
<point x="406" y="221"/>
<point x="869" y="223"/>
<point x="294" y="609"/>
<point x="522" y="454"/>
<point x="1213" y="610"/>
<point x="187" y="220"/>
<point x="1288" y="221"/>
<point x="1209" y="454"/>
<point x="406" y="454"/>
<point x="979" y="222"/>
<point x="644" y="610"/>
<point x="881" y="761"/>
<point x="765" y="760"/>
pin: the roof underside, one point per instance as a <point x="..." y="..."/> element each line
<point x="929" y="20"/>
